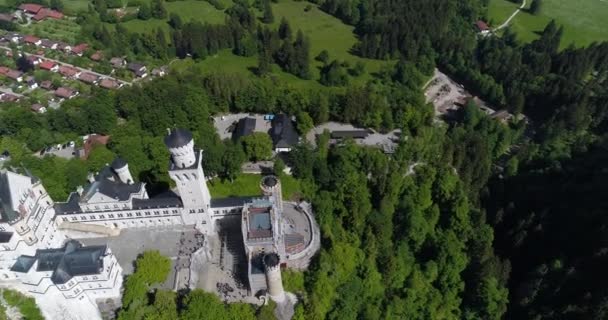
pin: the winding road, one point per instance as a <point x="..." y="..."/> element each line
<point x="506" y="23"/>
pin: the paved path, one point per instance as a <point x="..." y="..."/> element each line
<point x="506" y="23"/>
<point x="9" y="91"/>
<point x="73" y="66"/>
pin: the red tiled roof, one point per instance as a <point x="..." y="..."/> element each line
<point x="47" y="65"/>
<point x="481" y="25"/>
<point x="64" y="92"/>
<point x="92" y="141"/>
<point x="6" y="17"/>
<point x="14" y="74"/>
<point x="31" y="7"/>
<point x="108" y="84"/>
<point x="47" y="13"/>
<point x="9" y="97"/>
<point x="98" y="55"/>
<point x="88" y="77"/>
<point x="68" y="71"/>
<point x="4" y="70"/>
<point x="80" y="48"/>
<point x="31" y="39"/>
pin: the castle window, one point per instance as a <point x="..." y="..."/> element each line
<point x="106" y="207"/>
<point x="101" y="216"/>
<point x="174" y="211"/>
<point x="147" y="213"/>
<point x="94" y="277"/>
<point x="120" y="215"/>
<point x="194" y="176"/>
<point x="83" y="218"/>
<point x="115" y="206"/>
<point x="85" y="278"/>
<point x="192" y="211"/>
<point x="186" y="177"/>
<point x="138" y="214"/>
<point x="64" y="219"/>
<point x="165" y="211"/>
<point x="92" y="217"/>
<point x="129" y="214"/>
<point x="111" y="216"/>
<point x="156" y="212"/>
<point x="201" y="210"/>
<point x="74" y="218"/>
<point x="96" y="207"/>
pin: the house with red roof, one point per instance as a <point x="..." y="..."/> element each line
<point x="88" y="78"/>
<point x="15" y="75"/>
<point x="49" y="65"/>
<point x="32" y="40"/>
<point x="79" y="49"/>
<point x="482" y="27"/>
<point x="97" y="56"/>
<point x="65" y="93"/>
<point x="47" y="13"/>
<point x="38" y="108"/>
<point x="4" y="70"/>
<point x="7" y="97"/>
<point x="109" y="84"/>
<point x="30" y="8"/>
<point x="69" y="72"/>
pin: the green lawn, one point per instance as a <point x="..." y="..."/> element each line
<point x="248" y="185"/>
<point x="584" y="21"/>
<point x="65" y="29"/>
<point x="325" y="33"/>
<point x="188" y="10"/>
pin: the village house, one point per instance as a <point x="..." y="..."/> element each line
<point x="79" y="49"/>
<point x="49" y="66"/>
<point x="46" y="84"/>
<point x="109" y="84"/>
<point x="138" y="69"/>
<point x="89" y="142"/>
<point x="89" y="78"/>
<point x="31" y="82"/>
<point x="7" y="97"/>
<point x="482" y="27"/>
<point x="38" y="108"/>
<point x="97" y="56"/>
<point x="12" y="37"/>
<point x="32" y="40"/>
<point x="64" y="47"/>
<point x="49" y="44"/>
<point x="159" y="72"/>
<point x="4" y="70"/>
<point x="30" y="8"/>
<point x="47" y="13"/>
<point x="117" y="62"/>
<point x="65" y="93"/>
<point x="6" y="17"/>
<point x="33" y="60"/>
<point x="15" y="75"/>
<point x="69" y="72"/>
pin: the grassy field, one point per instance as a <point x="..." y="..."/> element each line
<point x="584" y="21"/>
<point x="66" y="30"/>
<point x="325" y="33"/>
<point x="248" y="185"/>
<point x="188" y="10"/>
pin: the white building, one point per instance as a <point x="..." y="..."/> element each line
<point x="39" y="258"/>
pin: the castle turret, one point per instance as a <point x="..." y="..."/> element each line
<point x="181" y="147"/>
<point x="187" y="171"/>
<point x="121" y="168"/>
<point x="271" y="187"/>
<point x="273" y="277"/>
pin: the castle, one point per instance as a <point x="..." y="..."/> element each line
<point x="40" y="257"/>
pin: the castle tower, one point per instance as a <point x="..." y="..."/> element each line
<point x="273" y="277"/>
<point x="271" y="187"/>
<point x="185" y="168"/>
<point x="121" y="168"/>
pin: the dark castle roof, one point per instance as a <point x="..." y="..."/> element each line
<point x="271" y="260"/>
<point x="244" y="127"/>
<point x="118" y="163"/>
<point x="67" y="262"/>
<point x="178" y="138"/>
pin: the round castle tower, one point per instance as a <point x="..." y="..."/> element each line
<point x="273" y="277"/>
<point x="181" y="147"/>
<point x="271" y="187"/>
<point x="121" y="168"/>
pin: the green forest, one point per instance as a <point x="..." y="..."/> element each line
<point x="470" y="218"/>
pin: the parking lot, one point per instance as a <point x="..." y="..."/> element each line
<point x="444" y="93"/>
<point x="224" y="124"/>
<point x="386" y="141"/>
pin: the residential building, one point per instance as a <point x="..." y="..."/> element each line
<point x="47" y="13"/>
<point x="79" y="49"/>
<point x="97" y="56"/>
<point x="7" y="97"/>
<point x="49" y="66"/>
<point x="482" y="27"/>
<point x="15" y="75"/>
<point x="109" y="84"/>
<point x="69" y="72"/>
<point x="138" y="69"/>
<point x="30" y="8"/>
<point x="89" y="78"/>
<point x="118" y="62"/>
<point x="31" y="82"/>
<point x="32" y="40"/>
<point x="38" y="108"/>
<point x="49" y="44"/>
<point x="283" y="133"/>
<point x="65" y="93"/>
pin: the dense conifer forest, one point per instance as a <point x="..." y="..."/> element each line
<point x="468" y="219"/>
